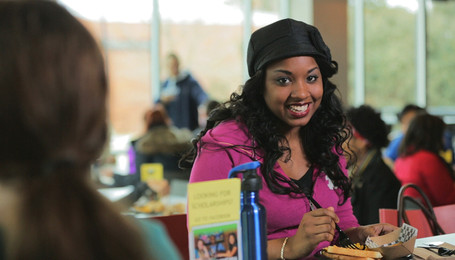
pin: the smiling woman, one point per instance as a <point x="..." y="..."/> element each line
<point x="287" y="117"/>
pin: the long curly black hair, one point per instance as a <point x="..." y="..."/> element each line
<point x="322" y="137"/>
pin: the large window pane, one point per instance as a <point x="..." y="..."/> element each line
<point x="389" y="54"/>
<point x="264" y="13"/>
<point x="123" y="30"/>
<point x="128" y="60"/>
<point x="441" y="57"/>
<point x="207" y="42"/>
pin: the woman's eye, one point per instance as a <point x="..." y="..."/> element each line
<point x="283" y="81"/>
<point x="312" y="78"/>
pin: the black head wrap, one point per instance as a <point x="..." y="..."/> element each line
<point x="284" y="39"/>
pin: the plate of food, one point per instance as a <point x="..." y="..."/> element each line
<point x="342" y="253"/>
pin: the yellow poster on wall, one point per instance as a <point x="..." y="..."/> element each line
<point x="151" y="171"/>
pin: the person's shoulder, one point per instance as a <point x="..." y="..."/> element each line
<point x="379" y="171"/>
<point x="421" y="158"/>
<point x="181" y="133"/>
<point x="184" y="76"/>
<point x="391" y="151"/>
<point x="151" y="226"/>
<point x="425" y="155"/>
<point x="427" y="158"/>
<point x="230" y="128"/>
<point x="161" y="245"/>
<point x="229" y="131"/>
<point x="395" y="142"/>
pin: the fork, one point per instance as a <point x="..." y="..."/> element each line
<point x="442" y="251"/>
<point x="344" y="240"/>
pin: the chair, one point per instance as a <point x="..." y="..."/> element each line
<point x="415" y="217"/>
<point x="445" y="216"/>
<point x="178" y="232"/>
<point x="415" y="213"/>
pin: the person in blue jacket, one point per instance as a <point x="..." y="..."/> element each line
<point x="181" y="94"/>
<point x="404" y="117"/>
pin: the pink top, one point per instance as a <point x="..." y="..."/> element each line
<point x="426" y="170"/>
<point x="284" y="212"/>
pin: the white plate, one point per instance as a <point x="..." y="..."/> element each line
<point x="115" y="194"/>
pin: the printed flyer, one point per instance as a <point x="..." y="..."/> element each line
<point x="214" y="220"/>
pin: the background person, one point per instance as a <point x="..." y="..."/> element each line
<point x="201" y="251"/>
<point x="162" y="143"/>
<point x="215" y="247"/>
<point x="205" y="110"/>
<point x="421" y="164"/>
<point x="408" y="112"/>
<point x="405" y="117"/>
<point x="181" y="95"/>
<point x="232" y="249"/>
<point x="288" y="117"/>
<point x="53" y="92"/>
<point x="374" y="185"/>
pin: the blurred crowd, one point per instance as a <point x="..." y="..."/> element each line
<point x="420" y="152"/>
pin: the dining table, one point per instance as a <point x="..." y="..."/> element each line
<point x="435" y="247"/>
<point x="446" y="238"/>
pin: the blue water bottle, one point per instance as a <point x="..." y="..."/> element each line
<point x="253" y="217"/>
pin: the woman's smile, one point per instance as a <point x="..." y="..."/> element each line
<point x="299" y="110"/>
<point x="294" y="89"/>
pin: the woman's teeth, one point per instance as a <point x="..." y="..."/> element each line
<point x="298" y="108"/>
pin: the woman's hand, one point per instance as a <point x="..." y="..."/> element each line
<point x="316" y="226"/>
<point x="360" y="234"/>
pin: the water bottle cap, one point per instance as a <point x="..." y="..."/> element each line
<point x="251" y="181"/>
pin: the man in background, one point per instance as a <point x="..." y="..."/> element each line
<point x="181" y="95"/>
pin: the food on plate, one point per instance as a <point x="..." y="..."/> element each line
<point x="178" y="208"/>
<point x="153" y="206"/>
<point x="158" y="207"/>
<point x="341" y="253"/>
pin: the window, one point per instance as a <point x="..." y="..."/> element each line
<point x="440" y="55"/>
<point x="208" y="43"/>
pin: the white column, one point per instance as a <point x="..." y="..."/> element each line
<point x="285" y="11"/>
<point x="359" y="54"/>
<point x="155" y="52"/>
<point x="421" y="55"/>
<point x="247" y="26"/>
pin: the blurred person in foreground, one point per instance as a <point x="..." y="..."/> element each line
<point x="53" y="90"/>
<point x="288" y="117"/>
<point x="181" y="94"/>
<point x="374" y="185"/>
<point x="420" y="161"/>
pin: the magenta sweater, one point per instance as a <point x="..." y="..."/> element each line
<point x="284" y="212"/>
